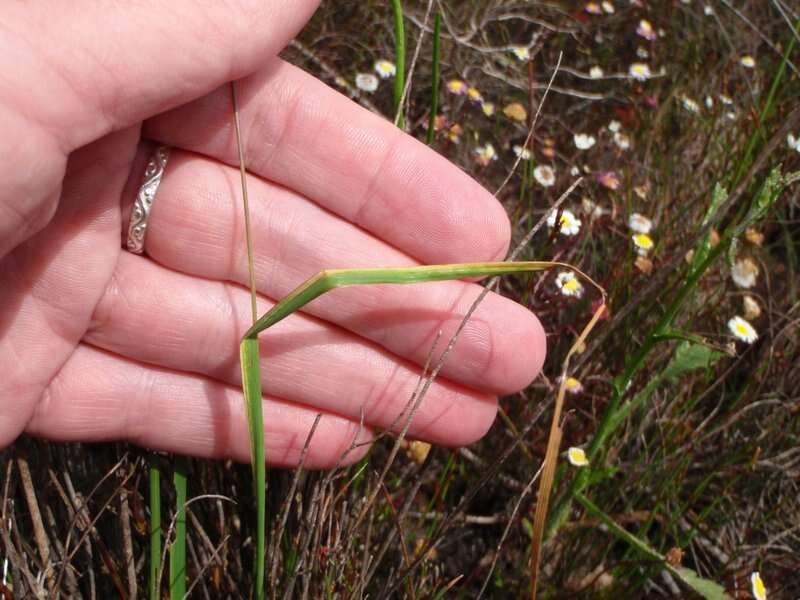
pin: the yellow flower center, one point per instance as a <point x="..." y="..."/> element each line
<point x="644" y="241"/>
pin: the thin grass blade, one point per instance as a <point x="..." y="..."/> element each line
<point x="155" y="528"/>
<point x="177" y="550"/>
<point x="400" y="61"/>
<point x="251" y="384"/>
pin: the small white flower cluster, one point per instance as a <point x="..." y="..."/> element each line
<point x="757" y="586"/>
<point x="583" y="141"/>
<point x="569" y="224"/>
<point x="521" y="53"/>
<point x="793" y="142"/>
<point x="690" y="104"/>
<point x="742" y="330"/>
<point x="544" y="176"/>
<point x="485" y="154"/>
<point x="569" y="284"/>
<point x="577" y="457"/>
<point x="367" y="82"/>
<point x="640" y="71"/>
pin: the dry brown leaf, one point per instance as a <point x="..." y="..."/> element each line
<point x="644" y="264"/>
<point x="754" y="237"/>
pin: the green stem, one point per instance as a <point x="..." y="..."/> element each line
<point x="744" y="163"/>
<point x="155" y="526"/>
<point x="177" y="551"/>
<point x="615" y="414"/>
<point x="705" y="255"/>
<point x="251" y="380"/>
<point x="400" y="61"/>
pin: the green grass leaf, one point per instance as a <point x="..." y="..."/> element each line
<point x="706" y="588"/>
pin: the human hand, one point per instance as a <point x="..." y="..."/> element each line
<point x="102" y="344"/>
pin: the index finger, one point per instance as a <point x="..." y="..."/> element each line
<point x="309" y="138"/>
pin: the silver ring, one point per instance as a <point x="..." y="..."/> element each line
<point x="153" y="174"/>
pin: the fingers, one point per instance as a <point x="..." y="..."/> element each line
<point x="194" y="228"/>
<point x="155" y="315"/>
<point x="73" y="73"/>
<point x="111" y="65"/>
<point x="50" y="284"/>
<point x="307" y="137"/>
<point x="99" y="396"/>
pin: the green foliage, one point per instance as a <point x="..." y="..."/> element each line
<point x="177" y="549"/>
<point x="705" y="587"/>
<point x="155" y="529"/>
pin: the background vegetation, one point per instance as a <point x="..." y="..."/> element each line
<point x="699" y="448"/>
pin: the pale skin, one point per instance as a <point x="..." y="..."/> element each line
<point x="99" y="344"/>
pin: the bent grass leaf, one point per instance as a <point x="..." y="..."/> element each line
<point x="328" y="280"/>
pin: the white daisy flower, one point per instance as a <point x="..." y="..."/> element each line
<point x="747" y="61"/>
<point x="639" y="223"/>
<point x="573" y="386"/>
<point x="690" y="104"/>
<point x="544" y="175"/>
<point x="367" y="82"/>
<point x="608" y="7"/>
<point x="742" y="330"/>
<point x="757" y="586"/>
<point x="643" y="243"/>
<point x="593" y="8"/>
<point x="639" y="71"/>
<point x="385" y="69"/>
<point x="614" y="126"/>
<point x="622" y="141"/>
<point x="474" y="95"/>
<point x="577" y="457"/>
<point x="583" y="141"/>
<point x="524" y="153"/>
<point x="708" y="11"/>
<point x="645" y="30"/>
<point x="596" y="72"/>
<point x="744" y="273"/>
<point x="521" y="52"/>
<point x="457" y="87"/>
<point x="569" y="286"/>
<point x="793" y="142"/>
<point x="569" y="224"/>
<point x="485" y="154"/>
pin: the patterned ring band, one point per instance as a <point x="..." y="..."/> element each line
<point x="153" y="174"/>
